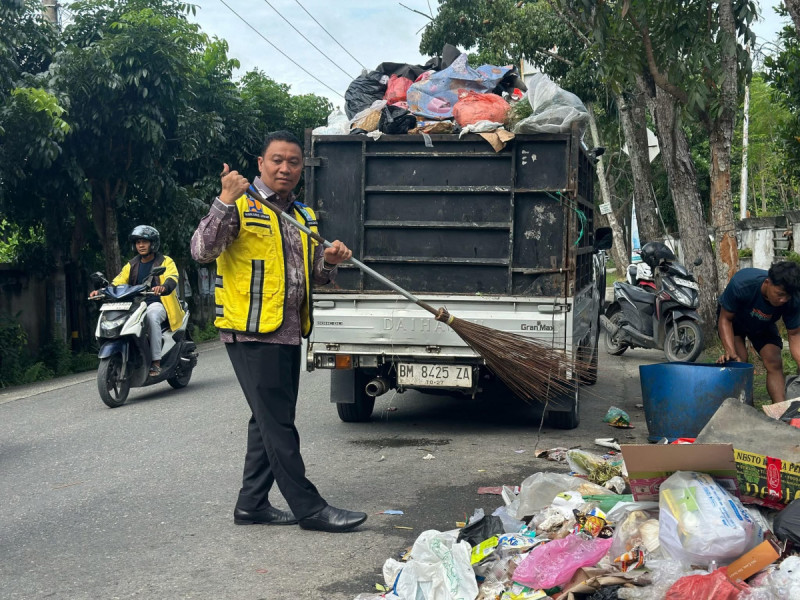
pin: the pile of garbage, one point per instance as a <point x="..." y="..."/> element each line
<point x="602" y="533"/>
<point x="447" y="95"/>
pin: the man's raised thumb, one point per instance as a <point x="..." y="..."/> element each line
<point x="225" y="170"/>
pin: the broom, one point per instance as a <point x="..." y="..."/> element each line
<point x="532" y="370"/>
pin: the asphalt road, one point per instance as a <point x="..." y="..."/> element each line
<point x="137" y="502"/>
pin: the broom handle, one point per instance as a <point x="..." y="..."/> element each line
<point x="326" y="244"/>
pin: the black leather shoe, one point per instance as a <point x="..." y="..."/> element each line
<point x="266" y="516"/>
<point x="333" y="520"/>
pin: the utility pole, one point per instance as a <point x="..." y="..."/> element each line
<point x="745" y="140"/>
<point x="51" y="11"/>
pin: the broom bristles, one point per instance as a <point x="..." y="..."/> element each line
<point x="530" y="368"/>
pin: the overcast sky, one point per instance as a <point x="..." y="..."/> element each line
<point x="373" y="31"/>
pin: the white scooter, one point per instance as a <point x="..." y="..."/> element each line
<point x="125" y="347"/>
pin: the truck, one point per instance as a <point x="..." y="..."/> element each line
<point x="503" y="238"/>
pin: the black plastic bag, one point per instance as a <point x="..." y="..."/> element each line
<point x="787" y="523"/>
<point x="363" y="91"/>
<point x="401" y="70"/>
<point x="396" y="120"/>
<point x="481" y="530"/>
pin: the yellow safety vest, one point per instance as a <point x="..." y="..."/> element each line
<point x="172" y="305"/>
<point x="251" y="272"/>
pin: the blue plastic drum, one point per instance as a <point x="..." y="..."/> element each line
<point x="679" y="398"/>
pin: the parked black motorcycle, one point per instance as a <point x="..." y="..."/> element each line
<point x="125" y="348"/>
<point x="663" y="318"/>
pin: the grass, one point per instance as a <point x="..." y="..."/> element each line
<point x="205" y="333"/>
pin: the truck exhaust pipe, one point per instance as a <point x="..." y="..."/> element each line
<point x="376" y="387"/>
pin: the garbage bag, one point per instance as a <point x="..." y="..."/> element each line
<point x="396" y="120"/>
<point x="481" y="530"/>
<point x="699" y="522"/>
<point x="363" y="91"/>
<point x="783" y="582"/>
<point x="396" y="89"/>
<point x="404" y="70"/>
<point x="714" y="585"/>
<point x="539" y="490"/>
<point x="474" y="107"/>
<point x="337" y="124"/>
<point x="435" y="97"/>
<point x="554" y="109"/>
<point x="554" y="563"/>
<point x="369" y="118"/>
<point x="439" y="569"/>
<point x="787" y="523"/>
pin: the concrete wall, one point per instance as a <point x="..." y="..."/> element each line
<point x="763" y="248"/>
<point x="26" y="295"/>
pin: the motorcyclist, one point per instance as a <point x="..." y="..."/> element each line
<point x="164" y="304"/>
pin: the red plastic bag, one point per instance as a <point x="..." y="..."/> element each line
<point x="476" y="107"/>
<point x="715" y="585"/>
<point x="396" y="89"/>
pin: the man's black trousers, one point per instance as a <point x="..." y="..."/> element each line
<point x="269" y="375"/>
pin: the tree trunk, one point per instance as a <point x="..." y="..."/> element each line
<point x="793" y="8"/>
<point x="682" y="179"/>
<point x="105" y="221"/>
<point x="619" y="250"/>
<point x="721" y="138"/>
<point x="634" y="125"/>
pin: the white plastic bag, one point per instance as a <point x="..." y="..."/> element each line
<point x="439" y="569"/>
<point x="700" y="522"/>
<point x="538" y="491"/>
<point x="368" y="118"/>
<point x="337" y="124"/>
<point x="554" y="109"/>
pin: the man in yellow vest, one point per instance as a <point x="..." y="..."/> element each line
<point x="265" y="271"/>
<point x="165" y="304"/>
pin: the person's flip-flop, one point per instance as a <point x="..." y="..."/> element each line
<point x="155" y="371"/>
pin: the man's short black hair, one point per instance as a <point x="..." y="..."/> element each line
<point x="280" y="136"/>
<point x="785" y="274"/>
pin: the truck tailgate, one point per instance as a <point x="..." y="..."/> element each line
<point x="390" y="324"/>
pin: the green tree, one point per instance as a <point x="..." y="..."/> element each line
<point x="125" y="68"/>
<point x="783" y="72"/>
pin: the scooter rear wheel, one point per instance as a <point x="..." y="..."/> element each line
<point x="613" y="345"/>
<point x="180" y="380"/>
<point x="113" y="391"/>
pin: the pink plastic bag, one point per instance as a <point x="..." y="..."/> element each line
<point x="715" y="585"/>
<point x="396" y="89"/>
<point x="554" y="563"/>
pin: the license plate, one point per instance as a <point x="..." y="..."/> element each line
<point x="687" y="283"/>
<point x="116" y="306"/>
<point x="434" y="375"/>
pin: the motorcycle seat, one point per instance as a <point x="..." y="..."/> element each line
<point x="637" y="293"/>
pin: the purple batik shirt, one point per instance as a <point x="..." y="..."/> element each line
<point x="217" y="231"/>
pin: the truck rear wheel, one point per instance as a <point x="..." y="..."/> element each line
<point x="567" y="419"/>
<point x="352" y="383"/>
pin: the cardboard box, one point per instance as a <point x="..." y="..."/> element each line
<point x="649" y="465"/>
<point x="763" y="555"/>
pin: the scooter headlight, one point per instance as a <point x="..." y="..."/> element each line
<point x="111" y="327"/>
<point x="678" y="293"/>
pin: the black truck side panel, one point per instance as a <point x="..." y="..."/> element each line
<point x="458" y="217"/>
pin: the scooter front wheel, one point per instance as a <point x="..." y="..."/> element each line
<point x="113" y="390"/>
<point x="684" y="341"/>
